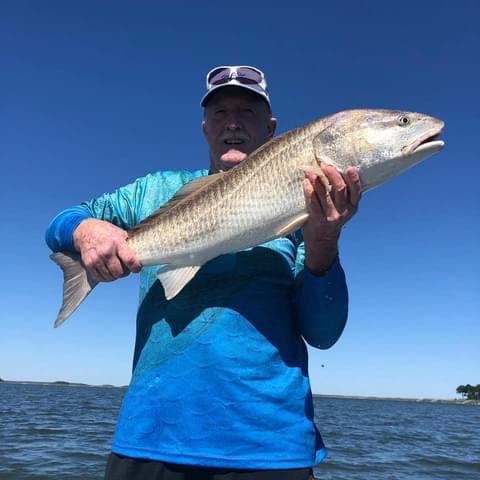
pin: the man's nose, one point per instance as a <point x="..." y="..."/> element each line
<point x="233" y="126"/>
<point x="233" y="123"/>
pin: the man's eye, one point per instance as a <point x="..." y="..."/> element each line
<point x="219" y="112"/>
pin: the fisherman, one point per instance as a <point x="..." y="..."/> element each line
<point x="220" y="385"/>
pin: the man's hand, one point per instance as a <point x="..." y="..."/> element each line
<point x="329" y="211"/>
<point x="105" y="251"/>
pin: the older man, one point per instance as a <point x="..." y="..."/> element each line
<point x="220" y="384"/>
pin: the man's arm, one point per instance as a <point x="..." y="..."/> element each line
<point x="96" y="229"/>
<point x="321" y="303"/>
<point x="321" y="295"/>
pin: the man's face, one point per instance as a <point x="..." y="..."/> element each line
<point x="236" y="123"/>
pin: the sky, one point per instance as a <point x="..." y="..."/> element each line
<point x="96" y="94"/>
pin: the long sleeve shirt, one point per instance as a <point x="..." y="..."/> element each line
<point x="220" y="372"/>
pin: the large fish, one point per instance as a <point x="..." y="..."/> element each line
<point x="262" y="198"/>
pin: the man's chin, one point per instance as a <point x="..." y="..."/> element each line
<point x="232" y="158"/>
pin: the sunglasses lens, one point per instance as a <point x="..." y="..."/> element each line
<point x="248" y="75"/>
<point x="219" y="76"/>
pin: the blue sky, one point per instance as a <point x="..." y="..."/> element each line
<point x="96" y="94"/>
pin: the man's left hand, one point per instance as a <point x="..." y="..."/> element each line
<point x="329" y="211"/>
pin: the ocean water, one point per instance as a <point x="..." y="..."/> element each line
<point x="64" y="432"/>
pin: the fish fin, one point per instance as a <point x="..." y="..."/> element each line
<point x="77" y="283"/>
<point x="173" y="279"/>
<point x="271" y="143"/>
<point x="188" y="189"/>
<point x="292" y="225"/>
<point x="311" y="168"/>
<point x="317" y="170"/>
<point x="195" y="185"/>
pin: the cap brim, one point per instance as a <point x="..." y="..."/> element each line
<point x="253" y="88"/>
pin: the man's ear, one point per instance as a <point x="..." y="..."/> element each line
<point x="272" y="126"/>
<point x="204" y="127"/>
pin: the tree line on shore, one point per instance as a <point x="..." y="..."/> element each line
<point x="469" y="392"/>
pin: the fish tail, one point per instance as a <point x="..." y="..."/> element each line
<point x="77" y="283"/>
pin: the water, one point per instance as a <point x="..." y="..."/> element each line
<point x="64" y="432"/>
<point x="381" y="439"/>
<point x="55" y="431"/>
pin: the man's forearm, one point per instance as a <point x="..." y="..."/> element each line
<point x="321" y="304"/>
<point x="320" y="255"/>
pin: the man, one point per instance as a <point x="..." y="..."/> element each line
<point x="220" y="383"/>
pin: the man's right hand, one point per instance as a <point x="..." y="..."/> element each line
<point x="104" y="250"/>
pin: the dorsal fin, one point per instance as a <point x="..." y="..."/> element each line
<point x="193" y="186"/>
<point x="268" y="144"/>
<point x="190" y="188"/>
<point x="278" y="139"/>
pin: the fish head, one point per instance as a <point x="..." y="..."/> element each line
<point x="380" y="143"/>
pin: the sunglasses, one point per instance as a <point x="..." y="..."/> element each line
<point x="244" y="74"/>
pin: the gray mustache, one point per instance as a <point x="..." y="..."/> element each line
<point x="238" y="136"/>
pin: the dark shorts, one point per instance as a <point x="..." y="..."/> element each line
<point x="126" y="468"/>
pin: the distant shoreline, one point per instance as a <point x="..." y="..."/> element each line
<point x="452" y="401"/>
<point x="60" y="383"/>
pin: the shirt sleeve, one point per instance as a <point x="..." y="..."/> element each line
<point x="59" y="234"/>
<point x="320" y="302"/>
<point x="120" y="207"/>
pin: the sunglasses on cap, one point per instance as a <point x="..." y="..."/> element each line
<point x="244" y="75"/>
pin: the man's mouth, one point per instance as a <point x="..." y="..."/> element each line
<point x="234" y="139"/>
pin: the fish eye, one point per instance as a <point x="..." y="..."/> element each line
<point x="403" y="120"/>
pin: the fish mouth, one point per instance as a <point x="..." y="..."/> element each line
<point x="428" y="142"/>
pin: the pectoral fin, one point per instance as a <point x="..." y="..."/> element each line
<point x="316" y="169"/>
<point x="173" y="279"/>
<point x="292" y="225"/>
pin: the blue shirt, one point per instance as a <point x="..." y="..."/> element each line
<point x="220" y="372"/>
